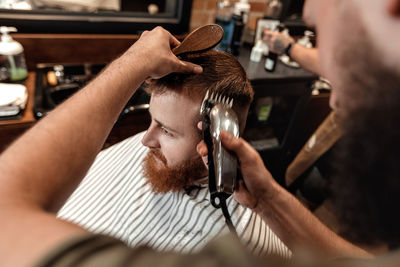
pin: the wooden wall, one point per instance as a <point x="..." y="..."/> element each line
<point x="73" y="48"/>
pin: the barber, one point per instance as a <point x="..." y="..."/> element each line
<point x="281" y="43"/>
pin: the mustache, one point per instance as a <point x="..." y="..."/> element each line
<point x="157" y="154"/>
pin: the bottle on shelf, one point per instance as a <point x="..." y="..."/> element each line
<point x="12" y="59"/>
<point x="272" y="58"/>
<point x="224" y="19"/>
<point x="239" y="17"/>
<point x="273" y="10"/>
<point x="305" y="40"/>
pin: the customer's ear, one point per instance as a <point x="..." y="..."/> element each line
<point x="393" y="6"/>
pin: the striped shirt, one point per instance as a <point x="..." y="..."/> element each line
<point x="115" y="199"/>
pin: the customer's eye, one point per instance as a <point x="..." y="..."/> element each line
<point x="165" y="131"/>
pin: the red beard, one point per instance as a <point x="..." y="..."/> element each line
<point x="164" y="179"/>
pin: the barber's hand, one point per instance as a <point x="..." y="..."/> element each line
<point x="277" y="42"/>
<point x="202" y="147"/>
<point x="257" y="181"/>
<point x="156" y="57"/>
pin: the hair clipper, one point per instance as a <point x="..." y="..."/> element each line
<point x="217" y="115"/>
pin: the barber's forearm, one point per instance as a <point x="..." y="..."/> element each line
<point x="308" y="58"/>
<point x="46" y="164"/>
<point x="299" y="228"/>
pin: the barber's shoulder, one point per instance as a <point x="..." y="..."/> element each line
<point x="86" y="250"/>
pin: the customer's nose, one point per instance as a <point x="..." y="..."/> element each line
<point x="150" y="138"/>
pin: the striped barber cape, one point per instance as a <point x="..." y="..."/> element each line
<point x="115" y="199"/>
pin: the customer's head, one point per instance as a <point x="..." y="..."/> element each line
<point x="173" y="162"/>
<point x="359" y="52"/>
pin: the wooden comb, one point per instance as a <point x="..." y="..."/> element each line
<point x="199" y="40"/>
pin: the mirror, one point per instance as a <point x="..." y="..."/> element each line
<point x="95" y="16"/>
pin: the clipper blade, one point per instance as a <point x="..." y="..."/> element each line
<point x="213" y="99"/>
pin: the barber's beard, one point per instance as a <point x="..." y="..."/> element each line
<point x="366" y="186"/>
<point x="163" y="178"/>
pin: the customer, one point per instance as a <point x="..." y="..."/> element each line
<point x="159" y="196"/>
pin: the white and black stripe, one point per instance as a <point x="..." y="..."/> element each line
<point x="115" y="199"/>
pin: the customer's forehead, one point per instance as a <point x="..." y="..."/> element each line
<point x="171" y="96"/>
<point x="174" y="108"/>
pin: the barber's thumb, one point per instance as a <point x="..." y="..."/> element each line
<point x="231" y="143"/>
<point x="188" y="67"/>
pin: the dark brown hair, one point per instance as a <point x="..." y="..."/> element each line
<point x="222" y="73"/>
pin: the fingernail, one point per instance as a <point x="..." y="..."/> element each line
<point x="200" y="149"/>
<point x="198" y="69"/>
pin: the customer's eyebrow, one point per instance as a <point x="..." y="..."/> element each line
<point x="163" y="125"/>
<point x="166" y="127"/>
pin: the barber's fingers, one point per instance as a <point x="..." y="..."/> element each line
<point x="243" y="196"/>
<point x="180" y="65"/>
<point x="160" y="31"/>
<point x="245" y="153"/>
<point x="154" y="49"/>
<point x="149" y="81"/>
<point x="173" y="41"/>
<point x="188" y="67"/>
<point x="203" y="152"/>
<point x="256" y="178"/>
<point x="202" y="148"/>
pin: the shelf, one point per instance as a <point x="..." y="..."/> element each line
<point x="27" y="116"/>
